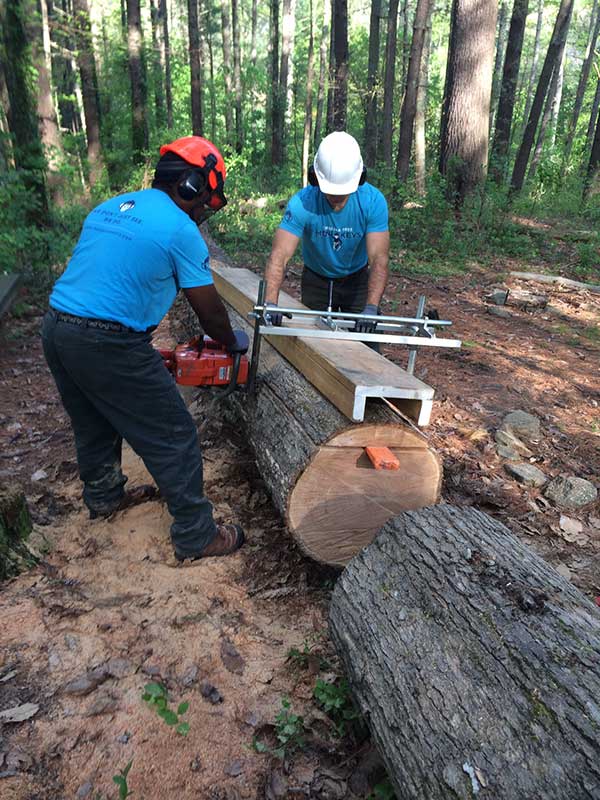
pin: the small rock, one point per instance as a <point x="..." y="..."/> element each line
<point x="54" y="661"/>
<point x="72" y="642"/>
<point x="195" y="764"/>
<point x="234" y="769"/>
<point x="85" y="684"/>
<point x="508" y="439"/>
<point x="252" y="719"/>
<point x="19" y="713"/>
<point x="497" y="297"/>
<point x="524" y="299"/>
<point x="563" y="570"/>
<point x="124" y="738"/>
<point x="13" y="427"/>
<point x="527" y="474"/>
<point x="211" y="693"/>
<point x="522" y="424"/>
<point x="508" y="453"/>
<point x="85" y="789"/>
<point x="570" y="525"/>
<point x="232" y="660"/>
<point x="499" y="311"/>
<point x="190" y="676"/>
<point x="118" y="667"/>
<point x="151" y="670"/>
<point x="39" y="475"/>
<point x="571" y="492"/>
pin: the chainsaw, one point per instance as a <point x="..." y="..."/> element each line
<point x="204" y="362"/>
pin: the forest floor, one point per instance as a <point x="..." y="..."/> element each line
<point x="109" y="611"/>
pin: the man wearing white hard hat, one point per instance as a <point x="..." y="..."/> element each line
<point x="343" y="223"/>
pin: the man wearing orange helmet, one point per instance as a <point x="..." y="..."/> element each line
<point x="134" y="253"/>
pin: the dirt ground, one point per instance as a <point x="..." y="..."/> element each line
<point x="108" y="610"/>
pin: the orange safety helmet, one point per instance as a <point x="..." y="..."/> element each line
<point x="201" y="153"/>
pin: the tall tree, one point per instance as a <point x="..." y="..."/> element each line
<point x="227" y="63"/>
<point x="582" y="84"/>
<point x="370" y="148"/>
<point x="466" y="104"/>
<point x="165" y="56"/>
<point x="39" y="35"/>
<point x="137" y="75"/>
<point x="409" y="104"/>
<point x="157" y="65"/>
<point x="552" y="61"/>
<point x="89" y="88"/>
<point x="273" y="96"/>
<point x="340" y="98"/>
<point x="237" y="76"/>
<point x="543" y="126"/>
<point x="323" y="53"/>
<point x="331" y="72"/>
<point x="21" y="113"/>
<point x="253" y="30"/>
<point x="594" y="162"/>
<point x="196" y="83"/>
<point x="389" y="81"/>
<point x="288" y="26"/>
<point x="589" y="137"/>
<point x="420" y="149"/>
<point x="500" y="44"/>
<point x="510" y="75"/>
<point x="533" y="70"/>
<point x="308" y="103"/>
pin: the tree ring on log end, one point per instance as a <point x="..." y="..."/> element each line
<point x="341" y="501"/>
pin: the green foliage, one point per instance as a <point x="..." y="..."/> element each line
<point x="156" y="697"/>
<point x="121" y="781"/>
<point x="289" y="732"/>
<point x="309" y="653"/>
<point x="383" y="791"/>
<point x="336" y="701"/>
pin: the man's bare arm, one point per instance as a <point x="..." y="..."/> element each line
<point x="211" y="313"/>
<point x="283" y="248"/>
<point x="378" y="253"/>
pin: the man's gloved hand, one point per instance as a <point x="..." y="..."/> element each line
<point x="365" y="325"/>
<point x="241" y="343"/>
<point x="272" y="317"/>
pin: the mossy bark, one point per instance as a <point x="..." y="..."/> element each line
<point x="15" y="527"/>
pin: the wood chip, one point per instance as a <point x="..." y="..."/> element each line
<point x="19" y="713"/>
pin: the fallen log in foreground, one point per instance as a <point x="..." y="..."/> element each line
<point x="474" y="662"/>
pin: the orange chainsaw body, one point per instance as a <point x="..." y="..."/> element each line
<point x="202" y="363"/>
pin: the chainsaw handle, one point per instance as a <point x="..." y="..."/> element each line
<point x="235" y="369"/>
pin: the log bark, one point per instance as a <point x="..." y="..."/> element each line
<point x="474" y="661"/>
<point x="312" y="459"/>
<point x="15" y="527"/>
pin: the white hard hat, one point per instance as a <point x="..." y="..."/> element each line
<point x="338" y="164"/>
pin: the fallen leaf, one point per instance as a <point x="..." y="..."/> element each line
<point x="19" y="713"/>
<point x="570" y="525"/>
<point x="232" y="660"/>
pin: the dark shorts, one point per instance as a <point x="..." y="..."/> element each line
<point x="348" y="293"/>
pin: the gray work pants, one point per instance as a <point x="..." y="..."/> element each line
<point x="114" y="386"/>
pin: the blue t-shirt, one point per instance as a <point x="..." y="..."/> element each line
<point x="134" y="253"/>
<point x="334" y="242"/>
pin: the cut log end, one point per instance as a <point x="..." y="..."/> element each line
<point x="341" y="500"/>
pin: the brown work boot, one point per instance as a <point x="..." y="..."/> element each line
<point x="229" y="538"/>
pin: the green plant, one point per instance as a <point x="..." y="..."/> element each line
<point x="289" y="732"/>
<point x="335" y="700"/>
<point x="307" y="655"/>
<point x="121" y="781"/>
<point x="383" y="791"/>
<point x="156" y="697"/>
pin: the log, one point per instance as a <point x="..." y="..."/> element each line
<point x="474" y="662"/>
<point x="15" y="527"/>
<point x="312" y="457"/>
<point x="536" y="277"/>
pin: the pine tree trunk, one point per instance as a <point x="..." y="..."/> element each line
<point x="500" y="44"/>
<point x="254" y="25"/>
<point x="275" y="100"/>
<point x="581" y="86"/>
<point x="89" y="88"/>
<point x="388" y="82"/>
<point x="510" y="75"/>
<point x="557" y="101"/>
<point x="370" y="149"/>
<point x="285" y="71"/>
<point x="340" y="99"/>
<point x="137" y="74"/>
<point x="237" y="77"/>
<point x="474" y="662"/>
<point x="589" y="137"/>
<point x="404" y="15"/>
<point x="157" y="66"/>
<point x="541" y="134"/>
<point x="46" y="111"/>
<point x="331" y="73"/>
<point x="420" y="143"/>
<point x="466" y="105"/>
<point x="323" y="53"/>
<point x="21" y="114"/>
<point x="227" y="70"/>
<point x="213" y="94"/>
<point x="165" y="54"/>
<point x="196" y="82"/>
<point x="594" y="162"/>
<point x="551" y="61"/>
<point x="409" y="105"/>
<point x="308" y="104"/>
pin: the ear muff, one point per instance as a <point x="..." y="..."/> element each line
<point x="363" y="176"/>
<point x="192" y="184"/>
